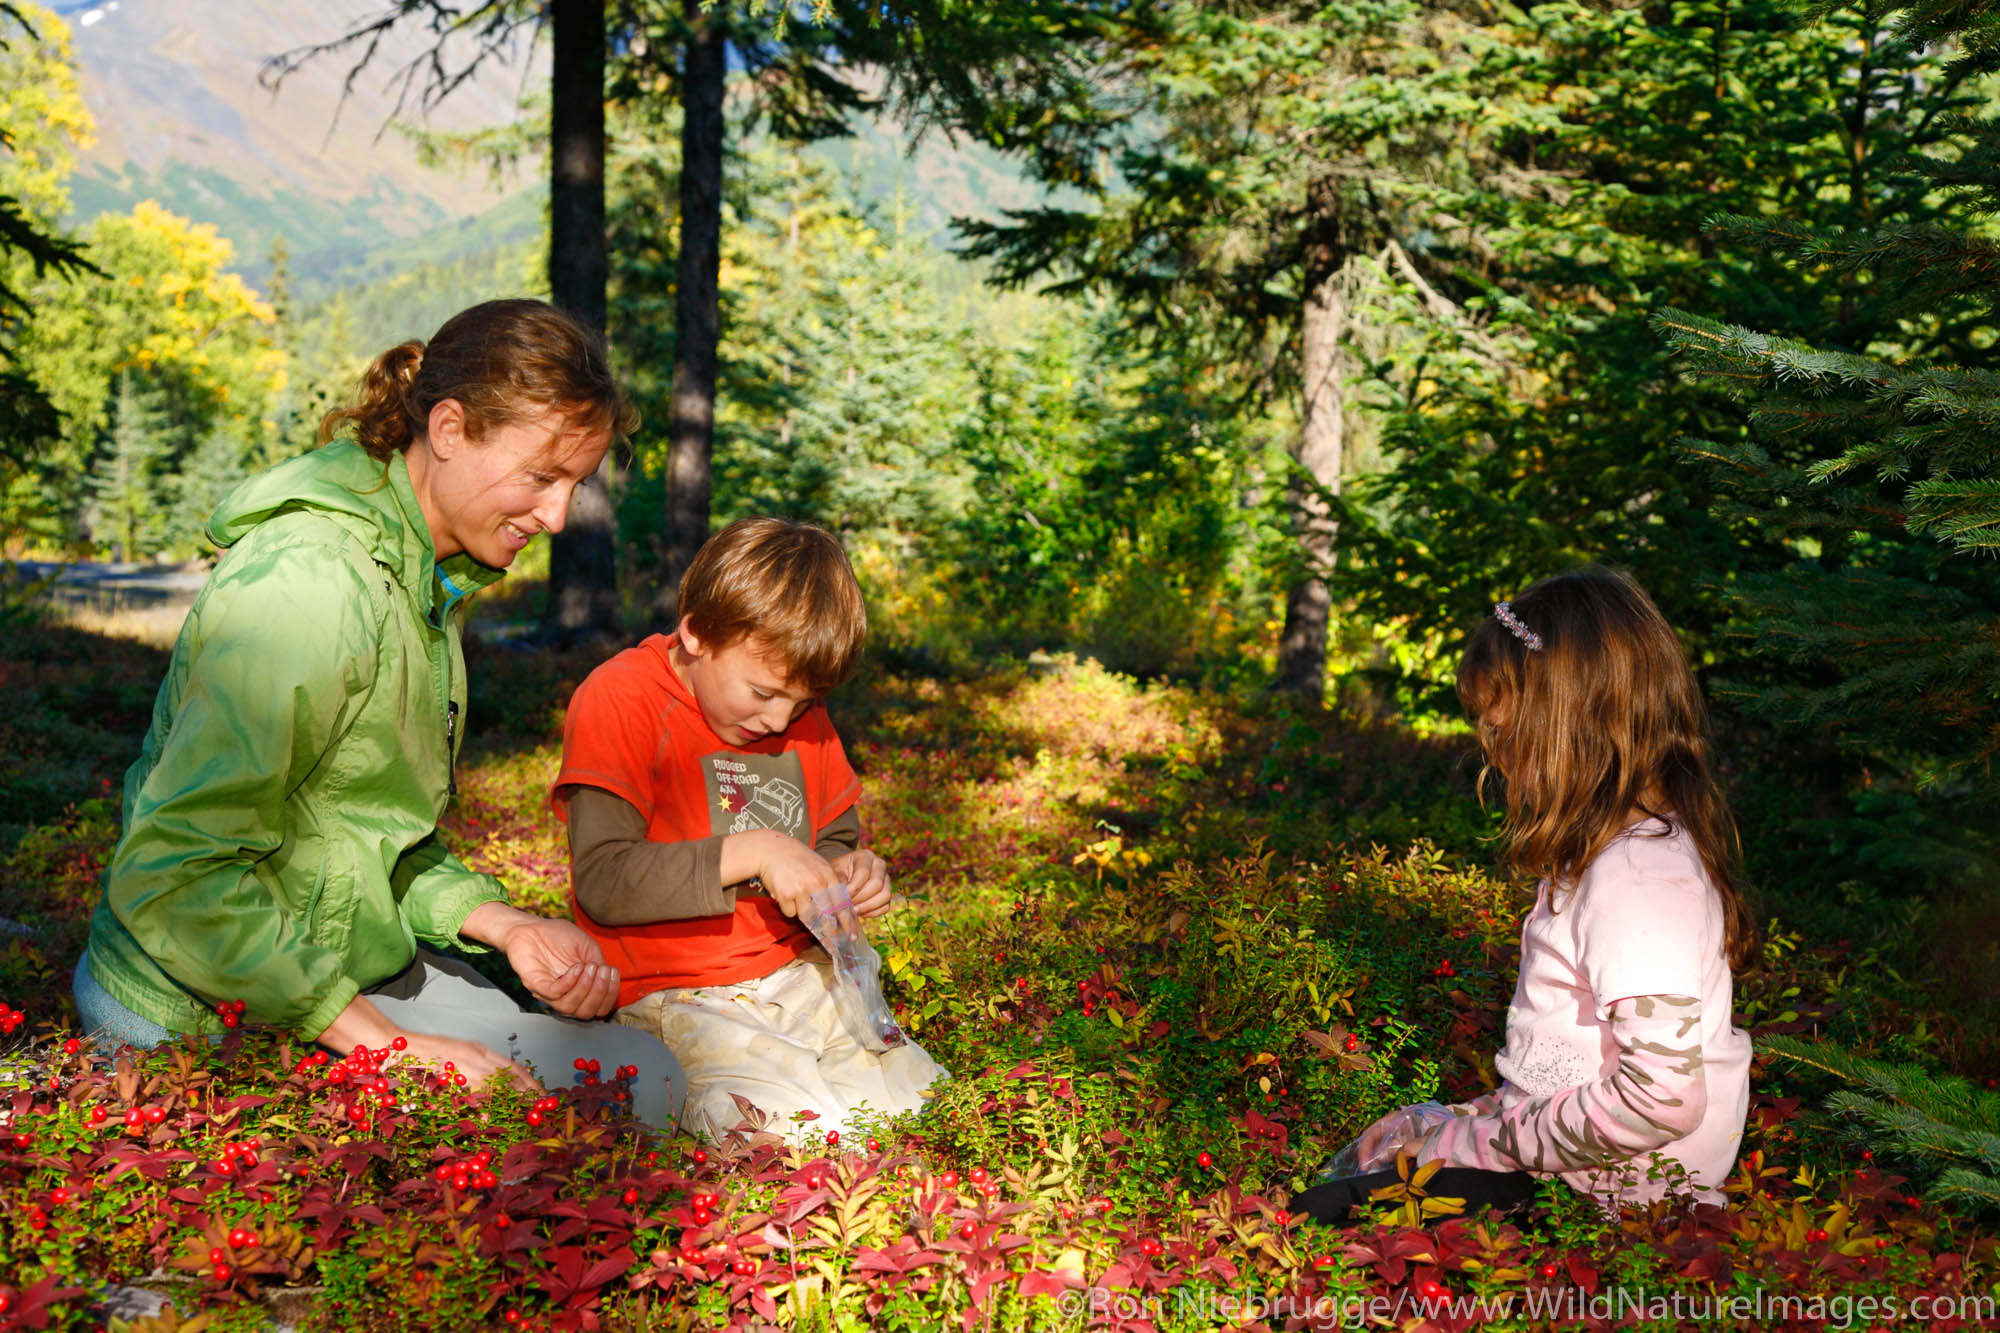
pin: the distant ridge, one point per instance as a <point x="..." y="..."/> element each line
<point x="182" y="119"/>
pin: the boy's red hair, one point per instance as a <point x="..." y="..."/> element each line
<point x="787" y="585"/>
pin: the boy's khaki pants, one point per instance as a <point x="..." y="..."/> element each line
<point x="778" y="1043"/>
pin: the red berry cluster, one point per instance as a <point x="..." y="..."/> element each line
<point x="468" y="1173"/>
<point x="1445" y="969"/>
<point x="139" y="1117"/>
<point x="241" y="1238"/>
<point x="589" y="1069"/>
<point x="360" y="1076"/>
<point x="235" y="1155"/>
<point x="1352" y="1044"/>
<point x="10" y="1019"/>
<point x="704" y="1208"/>
<point x="541" y="1108"/>
<point x="988" y="1187"/>
<point x="231" y="1012"/>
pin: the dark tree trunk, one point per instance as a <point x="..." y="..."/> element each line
<point x="583" y="566"/>
<point x="697" y="315"/>
<point x="1322" y="442"/>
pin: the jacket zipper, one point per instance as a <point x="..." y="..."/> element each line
<point x="451" y="748"/>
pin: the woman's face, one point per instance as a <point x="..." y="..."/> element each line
<point x="489" y="498"/>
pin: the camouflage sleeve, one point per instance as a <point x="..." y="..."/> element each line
<point x="1656" y="1095"/>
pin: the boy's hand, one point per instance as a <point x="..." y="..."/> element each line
<point x="792" y="873"/>
<point x="867" y="878"/>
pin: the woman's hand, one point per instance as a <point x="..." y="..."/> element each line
<point x="362" y="1024"/>
<point x="867" y="879"/>
<point x="478" y="1063"/>
<point x="559" y="964"/>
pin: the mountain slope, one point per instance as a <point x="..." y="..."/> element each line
<point x="182" y="119"/>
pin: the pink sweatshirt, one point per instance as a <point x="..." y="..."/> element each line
<point x="1619" y="1039"/>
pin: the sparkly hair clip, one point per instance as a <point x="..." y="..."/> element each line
<point x="1504" y="613"/>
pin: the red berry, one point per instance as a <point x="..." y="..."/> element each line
<point x="977" y="1175"/>
<point x="874" y="1145"/>
<point x="222" y="1272"/>
<point x="702" y="1217"/>
<point x="1149" y="1247"/>
<point x="968" y="1231"/>
<point x="833" y="1138"/>
<point x="58" y="1197"/>
<point x="1284" y="1218"/>
<point x="217" y="1255"/>
<point x="156" y="1115"/>
<point x="503" y="1221"/>
<point x="1549" y="1270"/>
<point x="72" y="1046"/>
<point x="1353" y="1043"/>
<point x="1867" y="1154"/>
<point x="744" y="1267"/>
<point x="1203" y="1160"/>
<point x="701" y="1154"/>
<point x="1323" y="1261"/>
<point x="949" y="1179"/>
<point x="511" y="1317"/>
<point x="631" y="1197"/>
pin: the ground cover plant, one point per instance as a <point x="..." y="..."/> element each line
<point x="1175" y="945"/>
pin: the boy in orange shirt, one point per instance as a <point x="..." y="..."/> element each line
<point x="708" y="799"/>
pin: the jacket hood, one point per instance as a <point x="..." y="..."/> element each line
<point x="372" y="500"/>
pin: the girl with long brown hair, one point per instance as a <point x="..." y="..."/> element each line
<point x="1622" y="1073"/>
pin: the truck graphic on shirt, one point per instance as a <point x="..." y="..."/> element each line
<point x="774" y="804"/>
<point x="757" y="791"/>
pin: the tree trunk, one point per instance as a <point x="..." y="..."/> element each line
<point x="583" y="562"/>
<point x="697" y="317"/>
<point x="1322" y="440"/>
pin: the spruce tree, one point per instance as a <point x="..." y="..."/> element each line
<point x="1534" y="426"/>
<point x="210" y="471"/>
<point x="1873" y="463"/>
<point x="1937" y="1124"/>
<point x="125" y="487"/>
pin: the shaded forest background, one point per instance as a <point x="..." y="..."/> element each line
<point x="1333" y="324"/>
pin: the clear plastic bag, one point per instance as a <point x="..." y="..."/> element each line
<point x="857" y="990"/>
<point x="1376" y="1149"/>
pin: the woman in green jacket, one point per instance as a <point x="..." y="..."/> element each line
<point x="280" y="845"/>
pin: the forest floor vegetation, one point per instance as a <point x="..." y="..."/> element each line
<point x="1175" y="945"/>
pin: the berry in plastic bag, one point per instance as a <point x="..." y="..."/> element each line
<point x="1376" y="1149"/>
<point x="857" y="990"/>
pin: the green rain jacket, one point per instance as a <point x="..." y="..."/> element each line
<point x="280" y="843"/>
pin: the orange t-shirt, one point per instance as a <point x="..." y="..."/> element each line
<point x="635" y="730"/>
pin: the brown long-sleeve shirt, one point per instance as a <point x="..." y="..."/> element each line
<point x="623" y="878"/>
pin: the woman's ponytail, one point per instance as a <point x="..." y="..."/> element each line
<point x="383" y="418"/>
<point x="501" y="361"/>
